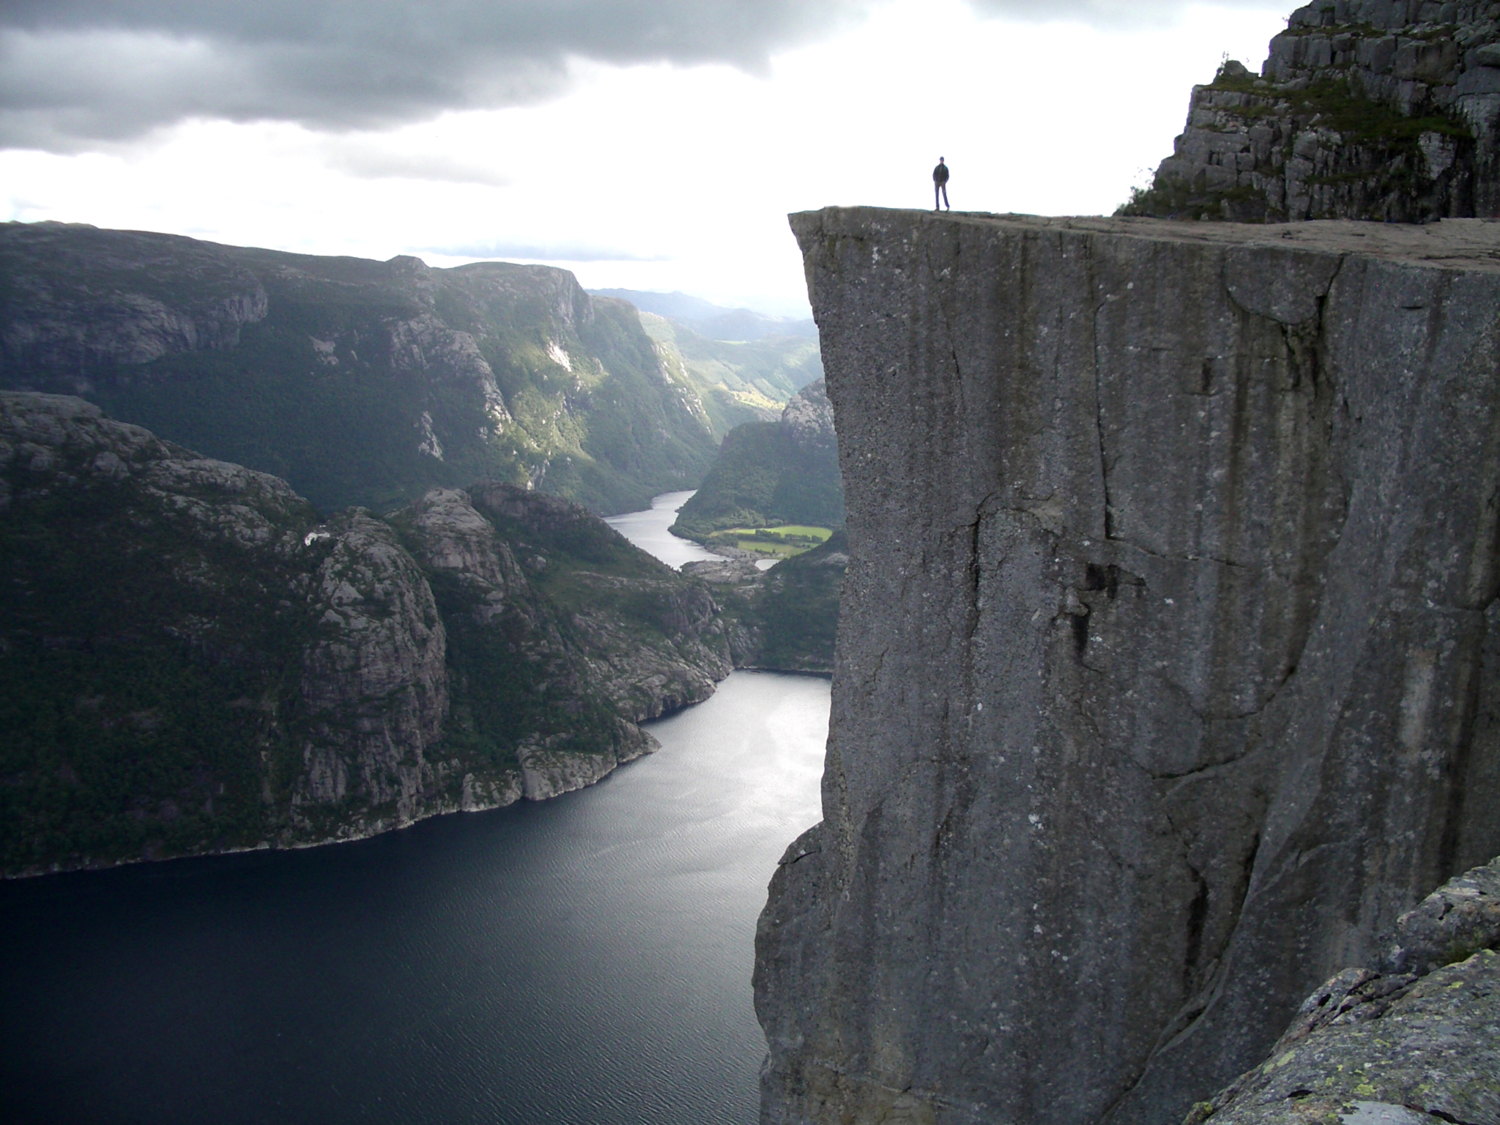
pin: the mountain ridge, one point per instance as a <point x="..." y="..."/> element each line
<point x="193" y="660"/>
<point x="361" y="382"/>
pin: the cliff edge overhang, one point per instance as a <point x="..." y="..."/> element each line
<point x="1167" y="663"/>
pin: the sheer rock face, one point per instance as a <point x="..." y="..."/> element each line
<point x="181" y="295"/>
<point x="374" y="680"/>
<point x="1365" y="109"/>
<point x="809" y="417"/>
<point x="1167" y="659"/>
<point x="191" y="662"/>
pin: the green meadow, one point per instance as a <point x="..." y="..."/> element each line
<point x="775" y="542"/>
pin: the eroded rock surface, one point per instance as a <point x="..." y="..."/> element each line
<point x="374" y="683"/>
<point x="1408" y="1048"/>
<point x="192" y="662"/>
<point x="1364" y="109"/>
<point x="1166" y="675"/>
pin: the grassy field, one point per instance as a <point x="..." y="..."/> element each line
<point x="773" y="542"/>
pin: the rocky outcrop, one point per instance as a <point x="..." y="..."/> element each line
<point x="808" y="417"/>
<point x="1365" y="109"/>
<point x="360" y="382"/>
<point x="548" y="773"/>
<point x="1166" y="671"/>
<point x="1416" y="1043"/>
<point x="770" y="474"/>
<point x="102" y="298"/>
<point x="193" y="662"/>
<point x="374" y="686"/>
<point x="650" y="641"/>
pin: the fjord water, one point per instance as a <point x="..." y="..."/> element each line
<point x="648" y="531"/>
<point x="582" y="960"/>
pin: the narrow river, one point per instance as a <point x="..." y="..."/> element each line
<point x="583" y="960"/>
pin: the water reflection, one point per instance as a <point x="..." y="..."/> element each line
<point x="648" y="531"/>
<point x="585" y="960"/>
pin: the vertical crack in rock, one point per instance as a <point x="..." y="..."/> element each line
<point x="1108" y="521"/>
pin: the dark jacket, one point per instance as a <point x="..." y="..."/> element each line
<point x="940" y="174"/>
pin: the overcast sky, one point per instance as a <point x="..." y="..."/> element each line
<point x="648" y="144"/>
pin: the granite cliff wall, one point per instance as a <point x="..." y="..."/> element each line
<point x="1167" y="662"/>
<point x="1364" y="109"/>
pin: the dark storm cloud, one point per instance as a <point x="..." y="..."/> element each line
<point x="79" y="71"/>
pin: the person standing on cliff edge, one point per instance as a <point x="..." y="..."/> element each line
<point x="940" y="185"/>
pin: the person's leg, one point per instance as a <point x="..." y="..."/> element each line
<point x="936" y="188"/>
<point x="944" y="189"/>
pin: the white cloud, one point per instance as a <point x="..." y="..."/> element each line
<point x="667" y="177"/>
<point x="1110" y="14"/>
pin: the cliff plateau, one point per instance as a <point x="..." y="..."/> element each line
<point x="1168" y="665"/>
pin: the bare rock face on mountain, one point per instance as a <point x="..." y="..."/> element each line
<point x="1365" y="109"/>
<point x="374" y="682"/>
<point x="809" y="417"/>
<point x="130" y="299"/>
<point x="190" y="661"/>
<point x="359" y="382"/>
<point x="1167" y="672"/>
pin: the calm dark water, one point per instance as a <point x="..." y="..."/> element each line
<point x="583" y="960"/>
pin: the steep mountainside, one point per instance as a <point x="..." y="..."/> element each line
<point x="737" y="380"/>
<point x="783" y="619"/>
<point x="1365" y="109"/>
<point x="359" y="382"/>
<point x="190" y="661"/>
<point x="1166" y="675"/>
<point x="711" y="321"/>
<point x="770" y="473"/>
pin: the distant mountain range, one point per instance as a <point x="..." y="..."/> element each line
<point x="713" y="322"/>
<point x="359" y="382"/>
<point x="746" y="365"/>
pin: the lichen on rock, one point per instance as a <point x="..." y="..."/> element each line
<point x="1405" y="1047"/>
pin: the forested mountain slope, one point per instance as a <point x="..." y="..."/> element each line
<point x="773" y="473"/>
<point x="359" y="382"/>
<point x="192" y="660"/>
